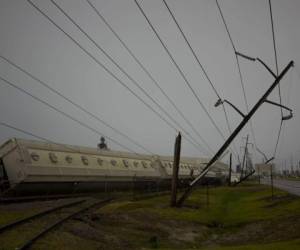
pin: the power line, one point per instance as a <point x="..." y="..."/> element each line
<point x="73" y="103"/>
<point x="276" y="64"/>
<point x="147" y="72"/>
<point x="24" y="132"/>
<point x="199" y="63"/>
<point x="122" y="70"/>
<point x="239" y="70"/>
<point x="71" y="148"/>
<point x="104" y="67"/>
<point x="179" y="70"/>
<point x="288" y="104"/>
<point x="62" y="112"/>
<point x="274" y="41"/>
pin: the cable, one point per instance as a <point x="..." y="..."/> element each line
<point x="104" y="67"/>
<point x="288" y="104"/>
<point x="24" y="132"/>
<point x="63" y="113"/>
<point x="147" y="72"/>
<point x="73" y="103"/>
<point x="275" y="53"/>
<point x="179" y="70"/>
<point x="239" y="70"/>
<point x="200" y="65"/>
<point x="276" y="64"/>
<point x="278" y="137"/>
<point x="123" y="71"/>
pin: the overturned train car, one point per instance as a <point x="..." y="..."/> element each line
<point x="34" y="167"/>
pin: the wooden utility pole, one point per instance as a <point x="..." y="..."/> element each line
<point x="230" y="169"/>
<point x="234" y="134"/>
<point x="272" y="184"/>
<point x="176" y="163"/>
<point x="244" y="157"/>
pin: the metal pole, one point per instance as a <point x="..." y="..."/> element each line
<point x="230" y="169"/>
<point x="244" y="157"/>
<point x="272" y="186"/>
<point x="175" y="170"/>
<point x="235" y="133"/>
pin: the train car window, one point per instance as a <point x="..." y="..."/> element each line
<point x="113" y="162"/>
<point x="69" y="159"/>
<point x="144" y="164"/>
<point x="126" y="163"/>
<point x="53" y="158"/>
<point x="100" y="161"/>
<point x="34" y="156"/>
<point x="136" y="163"/>
<point x="85" y="160"/>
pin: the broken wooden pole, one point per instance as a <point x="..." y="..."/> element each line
<point x="176" y="162"/>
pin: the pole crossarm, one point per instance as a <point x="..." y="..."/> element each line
<point x="286" y="117"/>
<point x="279" y="105"/>
<point x="219" y="102"/>
<point x="244" y="56"/>
<point x="234" y="134"/>
<point x="266" y="66"/>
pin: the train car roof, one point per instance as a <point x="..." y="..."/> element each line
<point x="88" y="150"/>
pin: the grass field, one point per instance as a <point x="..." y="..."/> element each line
<point x="243" y="217"/>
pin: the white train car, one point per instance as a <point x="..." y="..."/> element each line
<point x="33" y="167"/>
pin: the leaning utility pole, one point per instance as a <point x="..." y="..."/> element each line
<point x="176" y="162"/>
<point x="246" y="118"/>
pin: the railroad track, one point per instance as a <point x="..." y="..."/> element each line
<point x="43" y="222"/>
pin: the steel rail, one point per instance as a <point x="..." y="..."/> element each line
<point x="37" y="215"/>
<point x="31" y="241"/>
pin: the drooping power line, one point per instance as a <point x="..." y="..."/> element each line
<point x="239" y="70"/>
<point x="43" y="83"/>
<point x="179" y="70"/>
<point x="65" y="114"/>
<point x="200" y="65"/>
<point x="147" y="73"/>
<point x="105" y="68"/>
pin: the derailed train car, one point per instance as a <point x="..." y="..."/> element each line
<point x="34" y="167"/>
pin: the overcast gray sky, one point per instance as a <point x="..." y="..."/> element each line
<point x="36" y="45"/>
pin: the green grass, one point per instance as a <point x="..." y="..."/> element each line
<point x="285" y="245"/>
<point x="227" y="205"/>
<point x="230" y="209"/>
<point x="231" y="221"/>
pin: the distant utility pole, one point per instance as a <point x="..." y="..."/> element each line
<point x="272" y="184"/>
<point x="244" y="157"/>
<point x="176" y="163"/>
<point x="230" y="169"/>
<point x="242" y="124"/>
